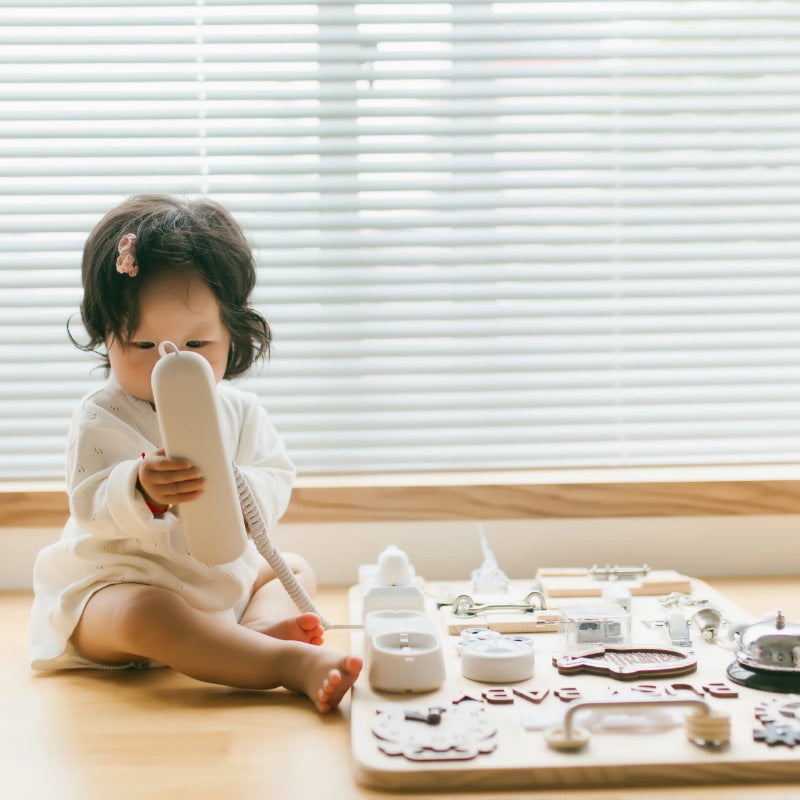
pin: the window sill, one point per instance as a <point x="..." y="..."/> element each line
<point x="529" y="494"/>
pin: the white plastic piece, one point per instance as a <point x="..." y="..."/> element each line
<point x="185" y="395"/>
<point x="585" y="625"/>
<point x="678" y="629"/>
<point x="471" y="635"/>
<point x="394" y="568"/>
<point x="391" y="584"/>
<point x="617" y="594"/>
<point x="402" y="652"/>
<point x="497" y="660"/>
<point x="488" y="577"/>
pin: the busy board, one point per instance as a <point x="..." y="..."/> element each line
<point x="500" y="730"/>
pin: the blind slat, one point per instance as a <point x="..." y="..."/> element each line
<point x="511" y="234"/>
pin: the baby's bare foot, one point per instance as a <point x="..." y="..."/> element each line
<point x="302" y="628"/>
<point x="337" y="682"/>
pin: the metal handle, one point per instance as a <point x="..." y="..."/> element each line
<point x="706" y="728"/>
<point x="465" y="606"/>
<point x="616" y="572"/>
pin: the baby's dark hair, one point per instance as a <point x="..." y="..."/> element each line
<point x="197" y="236"/>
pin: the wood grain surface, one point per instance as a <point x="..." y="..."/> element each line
<point x="159" y="735"/>
<point x="454" y="496"/>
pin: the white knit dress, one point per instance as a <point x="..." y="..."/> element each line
<point x="113" y="537"/>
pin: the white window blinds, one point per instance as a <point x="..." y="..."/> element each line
<point x="510" y="234"/>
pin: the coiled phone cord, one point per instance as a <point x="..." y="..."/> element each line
<point x="258" y="530"/>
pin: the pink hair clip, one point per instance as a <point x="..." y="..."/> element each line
<point x="126" y="260"/>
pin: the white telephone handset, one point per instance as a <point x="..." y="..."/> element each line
<point x="185" y="396"/>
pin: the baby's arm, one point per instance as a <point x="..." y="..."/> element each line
<point x="104" y="455"/>
<point x="261" y="457"/>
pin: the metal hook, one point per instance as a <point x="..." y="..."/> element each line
<point x="465" y="606"/>
<point x="674" y="599"/>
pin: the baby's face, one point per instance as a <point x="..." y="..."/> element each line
<point x="179" y="308"/>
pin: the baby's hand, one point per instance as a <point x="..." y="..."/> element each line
<point x="166" y="481"/>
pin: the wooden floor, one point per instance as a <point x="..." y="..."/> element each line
<point x="93" y="735"/>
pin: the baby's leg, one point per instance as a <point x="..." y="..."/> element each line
<point x="126" y="622"/>
<point x="301" y="628"/>
<point x="336" y="680"/>
<point x="270" y="605"/>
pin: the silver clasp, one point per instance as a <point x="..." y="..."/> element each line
<point x="465" y="606"/>
<point x="618" y="573"/>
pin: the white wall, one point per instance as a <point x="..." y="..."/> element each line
<point x="697" y="546"/>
